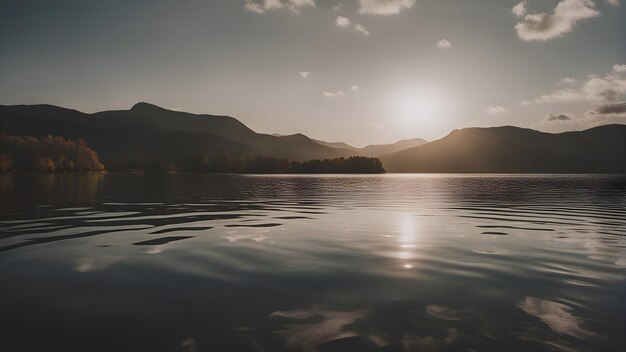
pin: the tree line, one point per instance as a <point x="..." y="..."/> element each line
<point x="272" y="165"/>
<point x="46" y="154"/>
<point x="57" y="154"/>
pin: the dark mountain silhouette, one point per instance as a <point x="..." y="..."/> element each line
<point x="517" y="150"/>
<point x="382" y="149"/>
<point x="148" y="132"/>
<point x="338" y="145"/>
<point x="148" y="137"/>
<point x="375" y="150"/>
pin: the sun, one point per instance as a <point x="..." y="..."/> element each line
<point x="418" y="106"/>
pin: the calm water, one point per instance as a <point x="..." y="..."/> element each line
<point x="176" y="262"/>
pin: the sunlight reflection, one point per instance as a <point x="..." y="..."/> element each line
<point x="407" y="238"/>
<point x="407" y="229"/>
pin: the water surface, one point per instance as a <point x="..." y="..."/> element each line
<point x="189" y="262"/>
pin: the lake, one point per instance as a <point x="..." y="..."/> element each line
<point x="193" y="262"/>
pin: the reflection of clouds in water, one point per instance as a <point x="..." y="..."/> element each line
<point x="293" y="314"/>
<point x="189" y="345"/>
<point x="88" y="264"/>
<point x="429" y="343"/>
<point x="555" y="345"/>
<point x="256" y="237"/>
<point x="557" y="316"/>
<point x="309" y="328"/>
<point x="379" y="340"/>
<point x="621" y="262"/>
<point x="153" y="250"/>
<point x="446" y="313"/>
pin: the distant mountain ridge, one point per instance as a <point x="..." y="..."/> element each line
<point x="148" y="131"/>
<point x="511" y="149"/>
<point x="376" y="150"/>
<point x="149" y="135"/>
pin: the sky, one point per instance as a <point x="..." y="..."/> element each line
<point x="358" y="71"/>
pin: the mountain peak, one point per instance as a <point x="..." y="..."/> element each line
<point x="143" y="106"/>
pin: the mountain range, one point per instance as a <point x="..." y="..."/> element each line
<point x="148" y="132"/>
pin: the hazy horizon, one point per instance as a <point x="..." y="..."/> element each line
<point x="361" y="72"/>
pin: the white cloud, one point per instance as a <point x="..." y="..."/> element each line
<point x="337" y="7"/>
<point x="384" y="7"/>
<point x="560" y="96"/>
<point x="495" y="110"/>
<point x="545" y="26"/>
<point x="444" y="44"/>
<point x="526" y="102"/>
<point x="606" y="93"/>
<point x="261" y="6"/>
<point x="305" y="74"/>
<point x="567" y="80"/>
<point x="619" y="68"/>
<point x="354" y="88"/>
<point x="342" y="22"/>
<point x="359" y="28"/>
<point x="604" y="90"/>
<point x="519" y="10"/>
<point x="333" y="94"/>
<point x="598" y="90"/>
<point x="613" y="2"/>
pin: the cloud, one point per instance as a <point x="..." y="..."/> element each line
<point x="342" y="22"/>
<point x="354" y="88"/>
<point x="598" y="90"/>
<point x="495" y="110"/>
<point x="608" y="110"/>
<point x="359" y="28"/>
<point x="559" y="117"/>
<point x="613" y="2"/>
<point x="526" y="102"/>
<point x="619" y="68"/>
<point x="333" y="94"/>
<point x="567" y="80"/>
<point x="305" y="74"/>
<point x="261" y="6"/>
<point x="444" y="44"/>
<point x="545" y="26"/>
<point x="560" y="96"/>
<point x="519" y="10"/>
<point x="384" y="7"/>
<point x="604" y="90"/>
<point x="337" y="7"/>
